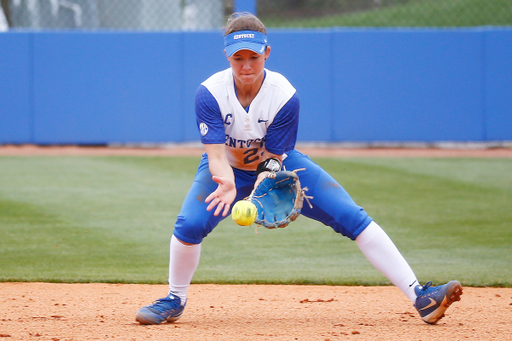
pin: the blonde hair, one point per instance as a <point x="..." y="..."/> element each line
<point x="244" y="21"/>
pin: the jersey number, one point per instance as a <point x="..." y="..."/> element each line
<point x="250" y="155"/>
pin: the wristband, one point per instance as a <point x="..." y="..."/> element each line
<point x="269" y="165"/>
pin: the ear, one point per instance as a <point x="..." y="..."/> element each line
<point x="267" y="52"/>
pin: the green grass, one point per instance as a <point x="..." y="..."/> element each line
<point x="415" y="13"/>
<point x="109" y="219"/>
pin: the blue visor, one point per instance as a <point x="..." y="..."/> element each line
<point x="245" y="40"/>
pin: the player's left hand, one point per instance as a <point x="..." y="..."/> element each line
<point x="260" y="178"/>
<point x="222" y="197"/>
<point x="278" y="198"/>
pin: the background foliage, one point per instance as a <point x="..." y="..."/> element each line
<point x="385" y="13"/>
<point x="193" y="15"/>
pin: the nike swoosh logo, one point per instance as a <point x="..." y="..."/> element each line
<point x="261" y="121"/>
<point x="432" y="303"/>
<point x="410" y="285"/>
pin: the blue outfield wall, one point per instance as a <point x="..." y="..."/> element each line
<point x="409" y="85"/>
<point x="16" y="95"/>
<point x="356" y="85"/>
<point x="97" y="88"/>
<point x="497" y="75"/>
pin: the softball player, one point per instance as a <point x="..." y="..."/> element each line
<point x="248" y="117"/>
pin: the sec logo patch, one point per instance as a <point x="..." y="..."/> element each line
<point x="203" y="128"/>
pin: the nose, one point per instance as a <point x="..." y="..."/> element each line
<point x="246" y="65"/>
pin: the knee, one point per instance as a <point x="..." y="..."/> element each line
<point x="191" y="229"/>
<point x="353" y="228"/>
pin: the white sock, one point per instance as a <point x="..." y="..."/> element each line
<point x="182" y="265"/>
<point x="385" y="257"/>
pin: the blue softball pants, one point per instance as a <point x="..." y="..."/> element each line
<point x="332" y="205"/>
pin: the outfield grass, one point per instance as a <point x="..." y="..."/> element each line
<point x="416" y="13"/>
<point x="109" y="219"/>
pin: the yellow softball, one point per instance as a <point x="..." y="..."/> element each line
<point x="244" y="213"/>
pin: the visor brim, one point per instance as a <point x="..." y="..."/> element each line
<point x="245" y="45"/>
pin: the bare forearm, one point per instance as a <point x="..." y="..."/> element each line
<point x="221" y="168"/>
<point x="222" y="173"/>
<point x="269" y="155"/>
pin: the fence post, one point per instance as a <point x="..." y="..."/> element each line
<point x="4" y="26"/>
<point x="245" y="6"/>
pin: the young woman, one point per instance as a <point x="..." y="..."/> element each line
<point x="248" y="118"/>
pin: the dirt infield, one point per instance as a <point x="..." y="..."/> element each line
<point x="64" y="312"/>
<point x="39" y="311"/>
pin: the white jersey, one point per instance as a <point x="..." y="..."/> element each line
<point x="245" y="131"/>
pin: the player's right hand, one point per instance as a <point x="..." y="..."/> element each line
<point x="222" y="197"/>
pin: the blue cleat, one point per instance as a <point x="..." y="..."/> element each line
<point x="432" y="302"/>
<point x="164" y="309"/>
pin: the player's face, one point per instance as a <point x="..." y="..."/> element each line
<point x="248" y="66"/>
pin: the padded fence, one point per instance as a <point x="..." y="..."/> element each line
<point x="355" y="85"/>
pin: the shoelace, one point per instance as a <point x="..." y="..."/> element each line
<point x="427" y="288"/>
<point x="161" y="303"/>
